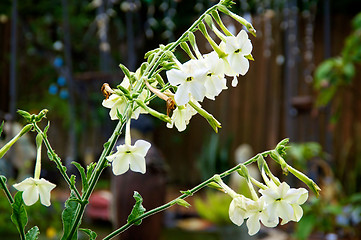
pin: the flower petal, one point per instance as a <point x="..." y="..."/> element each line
<point x="182" y="95"/>
<point x="142" y="147"/>
<point x="120" y="165"/>
<point x="253" y="224"/>
<point x="45" y="187"/>
<point x="137" y="164"/>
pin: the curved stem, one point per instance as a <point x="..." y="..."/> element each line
<point x="183" y="196"/>
<point x="57" y="161"/>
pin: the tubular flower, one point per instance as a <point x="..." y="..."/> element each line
<point x="33" y="188"/>
<point x="128" y="155"/>
<point x="190" y="80"/>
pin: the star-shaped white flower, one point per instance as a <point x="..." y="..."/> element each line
<point x="256" y="211"/>
<point x="237" y="48"/>
<point x="237" y="209"/>
<point x="33" y="188"/>
<point x="128" y="155"/>
<point x="283" y="202"/>
<point x="115" y="103"/>
<point x="215" y="81"/>
<point x="190" y="80"/>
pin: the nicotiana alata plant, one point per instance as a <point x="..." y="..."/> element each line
<point x="188" y="83"/>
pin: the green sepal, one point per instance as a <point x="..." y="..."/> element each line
<point x="33" y="233"/>
<point x="227" y="3"/>
<point x="106" y="145"/>
<point x="188" y="193"/>
<point x="19" y="216"/>
<point x="81" y="170"/>
<point x="182" y="202"/>
<point x="92" y="235"/>
<point x="243" y="171"/>
<point x="68" y="216"/>
<point x="137" y="210"/>
<point x="215" y="186"/>
<point x="159" y="80"/>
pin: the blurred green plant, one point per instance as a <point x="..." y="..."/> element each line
<point x="214" y="156"/>
<point x="218" y="213"/>
<point x="334" y="74"/>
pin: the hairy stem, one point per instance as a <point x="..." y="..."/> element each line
<point x="183" y="196"/>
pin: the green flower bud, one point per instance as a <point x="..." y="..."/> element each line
<point x="7" y="146"/>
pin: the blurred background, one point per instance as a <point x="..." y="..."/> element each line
<point x="304" y="84"/>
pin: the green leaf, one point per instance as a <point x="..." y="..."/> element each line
<point x="46" y="128"/>
<point x="83" y="176"/>
<point x="92" y="235"/>
<point x="25" y="115"/>
<point x="68" y="216"/>
<point x="19" y="216"/>
<point x="1" y="127"/>
<point x="89" y="170"/>
<point x="32" y="234"/>
<point x="137" y="210"/>
<point x="2" y="179"/>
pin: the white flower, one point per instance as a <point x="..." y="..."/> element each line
<point x="33" y="188"/>
<point x="283" y="202"/>
<point x="181" y="117"/>
<point x="237" y="209"/>
<point x="115" y="103"/>
<point x="256" y="211"/>
<point x="237" y="48"/>
<point x="190" y="80"/>
<point x="128" y="155"/>
<point x="118" y="103"/>
<point x="215" y="81"/>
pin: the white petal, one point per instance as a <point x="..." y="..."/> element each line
<point x="197" y="90"/>
<point x="235" y="81"/>
<point x="236" y="214"/>
<point x="182" y="95"/>
<point x="45" y="187"/>
<point x="25" y="184"/>
<point x="298" y="212"/>
<point x="253" y="224"/>
<point x="31" y="195"/>
<point x="142" y="147"/>
<point x="176" y="77"/>
<point x="284" y="210"/>
<point x="137" y="163"/>
<point x="120" y="165"/>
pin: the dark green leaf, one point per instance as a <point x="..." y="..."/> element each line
<point x="32" y="234"/>
<point x="19" y="216"/>
<point x="92" y="235"/>
<point x="1" y="127"/>
<point x="68" y="216"/>
<point x="138" y="209"/>
<point x="83" y="176"/>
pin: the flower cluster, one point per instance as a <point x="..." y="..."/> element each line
<point x="278" y="201"/>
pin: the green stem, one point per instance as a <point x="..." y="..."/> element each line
<point x="183" y="196"/>
<point x="6" y="190"/>
<point x="57" y="160"/>
<point x="184" y="36"/>
<point x="97" y="172"/>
